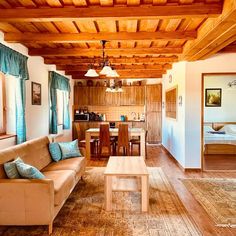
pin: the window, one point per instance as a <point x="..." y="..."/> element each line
<point x="171" y="103"/>
<point x="2" y="105"/>
<point x="60" y="107"/>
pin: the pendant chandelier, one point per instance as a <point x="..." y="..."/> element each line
<point x="114" y="87"/>
<point x="107" y="70"/>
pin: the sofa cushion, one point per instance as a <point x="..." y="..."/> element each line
<point x="70" y="149"/>
<point x="28" y="171"/>
<point x="64" y="182"/>
<point x="11" y="170"/>
<point x="74" y="164"/>
<point x="55" y="151"/>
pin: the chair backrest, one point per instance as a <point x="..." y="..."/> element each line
<point x="104" y="137"/>
<point x="123" y="135"/>
<point x="78" y="130"/>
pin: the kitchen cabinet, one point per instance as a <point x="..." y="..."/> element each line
<point x="132" y="96"/>
<point x="81" y="96"/>
<point x="97" y="96"/>
<point x="112" y="99"/>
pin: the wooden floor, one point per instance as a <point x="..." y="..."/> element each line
<point x="157" y="156"/>
<point x="219" y="162"/>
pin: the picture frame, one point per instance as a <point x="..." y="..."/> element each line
<point x="36" y="93"/>
<point x="213" y="97"/>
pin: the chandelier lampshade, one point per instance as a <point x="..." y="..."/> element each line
<point x="91" y="73"/>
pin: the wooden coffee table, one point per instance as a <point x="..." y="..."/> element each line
<point x="126" y="174"/>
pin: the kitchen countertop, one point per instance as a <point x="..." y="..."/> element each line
<point x="109" y="121"/>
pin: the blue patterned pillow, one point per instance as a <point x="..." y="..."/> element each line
<point x="28" y="171"/>
<point x="70" y="149"/>
<point x="55" y="151"/>
<point x="11" y="170"/>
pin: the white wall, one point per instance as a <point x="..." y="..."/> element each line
<point x="173" y="131"/>
<point x="37" y="117"/>
<point x="182" y="138"/>
<point x="217" y="64"/>
<point x="225" y="113"/>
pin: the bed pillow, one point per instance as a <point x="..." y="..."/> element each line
<point x="11" y="170"/>
<point x="28" y="171"/>
<point x="208" y="128"/>
<point x="229" y="129"/>
<point x="55" y="151"/>
<point x="70" y="149"/>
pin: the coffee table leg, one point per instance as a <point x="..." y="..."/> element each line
<point x="108" y="193"/>
<point x="145" y="193"/>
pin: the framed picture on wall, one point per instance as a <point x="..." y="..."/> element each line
<point x="36" y="93"/>
<point x="213" y="97"/>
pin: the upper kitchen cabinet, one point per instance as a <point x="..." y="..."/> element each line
<point x="112" y="99"/>
<point x="97" y="96"/>
<point x="81" y="95"/>
<point x="132" y="95"/>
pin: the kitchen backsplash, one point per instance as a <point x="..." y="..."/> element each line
<point x="114" y="112"/>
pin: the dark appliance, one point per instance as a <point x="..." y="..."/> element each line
<point x="81" y="117"/>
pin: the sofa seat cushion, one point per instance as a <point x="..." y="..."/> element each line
<point x="64" y="182"/>
<point x="74" y="164"/>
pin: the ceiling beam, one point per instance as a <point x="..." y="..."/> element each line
<point x="213" y="35"/>
<point x="84" y="67"/>
<point x="124" y="73"/>
<point x="93" y="37"/>
<point x="98" y="52"/>
<point x="112" y="13"/>
<point x="140" y="76"/>
<point x="118" y="60"/>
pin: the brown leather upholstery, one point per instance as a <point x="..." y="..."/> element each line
<point x="31" y="201"/>
<point x="63" y="181"/>
<point x="123" y="139"/>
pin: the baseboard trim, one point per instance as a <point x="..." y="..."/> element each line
<point x="197" y="170"/>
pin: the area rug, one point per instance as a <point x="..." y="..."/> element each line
<point x="84" y="214"/>
<point x="217" y="196"/>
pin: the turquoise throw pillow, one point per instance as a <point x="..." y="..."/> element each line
<point x="55" y="151"/>
<point x="28" y="171"/>
<point x="70" y="149"/>
<point x="11" y="170"/>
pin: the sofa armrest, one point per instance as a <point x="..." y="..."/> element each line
<point x="26" y="201"/>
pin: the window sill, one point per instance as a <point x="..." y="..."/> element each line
<point x="6" y="136"/>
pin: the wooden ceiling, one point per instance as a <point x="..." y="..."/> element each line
<point x="145" y="37"/>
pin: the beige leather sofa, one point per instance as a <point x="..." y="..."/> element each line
<point x="37" y="202"/>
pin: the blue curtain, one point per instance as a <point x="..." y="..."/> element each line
<point x="15" y="64"/>
<point x="57" y="81"/>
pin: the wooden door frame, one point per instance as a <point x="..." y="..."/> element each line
<point x="202" y="110"/>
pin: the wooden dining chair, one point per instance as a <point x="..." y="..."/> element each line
<point x="123" y="140"/>
<point x="82" y="142"/>
<point x="137" y="142"/>
<point x="105" y="141"/>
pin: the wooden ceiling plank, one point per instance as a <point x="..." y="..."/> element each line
<point x="112" y="13"/>
<point x="109" y="52"/>
<point x="212" y="34"/>
<point x="90" y="37"/>
<point x="106" y="2"/>
<point x="5" y="27"/>
<point x="80" y="3"/>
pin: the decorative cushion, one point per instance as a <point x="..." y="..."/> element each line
<point x="55" y="151"/>
<point x="28" y="171"/>
<point x="70" y="149"/>
<point x="11" y="170"/>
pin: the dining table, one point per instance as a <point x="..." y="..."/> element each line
<point x="134" y="132"/>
